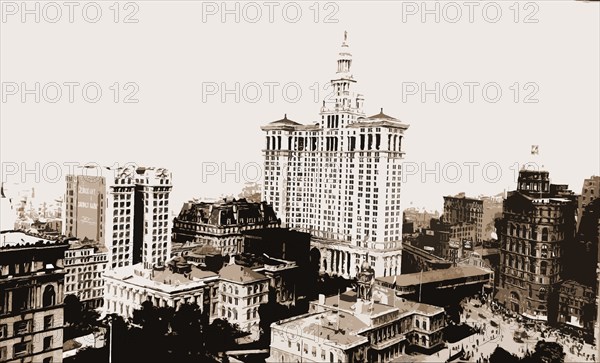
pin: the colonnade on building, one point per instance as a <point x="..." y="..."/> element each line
<point x="123" y="300"/>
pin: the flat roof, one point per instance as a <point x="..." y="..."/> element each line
<point x="19" y="238"/>
<point x="426" y="277"/>
<point x="161" y="280"/>
<point x="328" y="327"/>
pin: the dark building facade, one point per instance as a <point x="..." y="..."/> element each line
<point x="460" y="209"/>
<point x="221" y="224"/>
<point x="285" y="245"/>
<point x="537" y="227"/>
<point x="589" y="192"/>
<point x="31" y="298"/>
<point x="577" y="306"/>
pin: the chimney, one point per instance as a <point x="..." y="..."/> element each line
<point x="321" y="299"/>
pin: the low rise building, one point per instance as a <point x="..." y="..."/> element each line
<point x="31" y="298"/>
<point x="371" y="325"/>
<point x="85" y="263"/>
<point x="242" y="291"/>
<point x="177" y="283"/>
<point x="221" y="224"/>
<point x="576" y="305"/>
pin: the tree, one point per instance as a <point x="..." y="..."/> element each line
<point x="546" y="352"/>
<point x="72" y="310"/>
<point x="500" y="355"/>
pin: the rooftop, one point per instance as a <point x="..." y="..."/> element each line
<point x="241" y="274"/>
<point x="426" y="277"/>
<point x="21" y="239"/>
<point x="328" y="327"/>
<point x="163" y="280"/>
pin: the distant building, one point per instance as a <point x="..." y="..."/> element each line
<point x="85" y="262"/>
<point x="8" y="215"/>
<point x="242" y="291"/>
<point x="31" y="298"/>
<point x="460" y="209"/>
<point x="251" y="192"/>
<point x="220" y="225"/>
<point x="127" y="288"/>
<point x="537" y="226"/>
<point x="576" y="305"/>
<point x="370" y="325"/>
<point x="339" y="178"/>
<point x="419" y="218"/>
<point x="589" y="192"/>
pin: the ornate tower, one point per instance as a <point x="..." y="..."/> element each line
<point x="365" y="280"/>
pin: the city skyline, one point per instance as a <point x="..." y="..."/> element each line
<point x="176" y="98"/>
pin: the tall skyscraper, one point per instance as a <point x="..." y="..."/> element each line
<point x="124" y="209"/>
<point x="152" y="229"/>
<point x="99" y="207"/>
<point x="538" y="223"/>
<point x="339" y="179"/>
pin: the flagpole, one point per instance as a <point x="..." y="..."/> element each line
<point x="338" y="311"/>
<point x="420" y="284"/>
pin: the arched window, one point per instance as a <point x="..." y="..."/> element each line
<point x="542" y="293"/>
<point x="518" y="230"/>
<point x="49" y="297"/>
<point x="544" y="251"/>
<point x="417" y="324"/>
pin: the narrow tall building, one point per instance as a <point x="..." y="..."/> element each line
<point x="339" y="179"/>
<point x="538" y="223"/>
<point x="152" y="226"/>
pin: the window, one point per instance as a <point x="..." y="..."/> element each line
<point x="544" y="234"/>
<point x="49" y="297"/>
<point x="21" y="327"/>
<point x="20" y="349"/>
<point x="3" y="332"/>
<point x="48" y="322"/>
<point x="47" y="343"/>
<point x="3" y="354"/>
<point x="47" y="360"/>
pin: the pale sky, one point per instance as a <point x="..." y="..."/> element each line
<point x="172" y="55"/>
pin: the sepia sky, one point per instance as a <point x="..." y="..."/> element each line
<point x="180" y="54"/>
